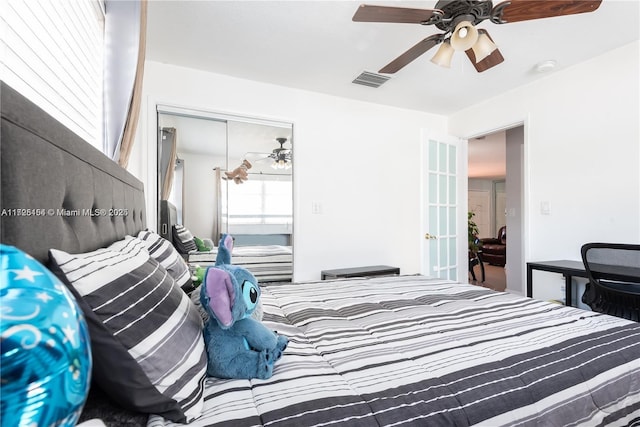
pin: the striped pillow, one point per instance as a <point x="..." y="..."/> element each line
<point x="183" y="239"/>
<point x="146" y="335"/>
<point x="163" y="251"/>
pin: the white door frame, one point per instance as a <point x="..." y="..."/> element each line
<point x="518" y="284"/>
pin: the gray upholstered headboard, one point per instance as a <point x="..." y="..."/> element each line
<point x="168" y="218"/>
<point x="57" y="190"/>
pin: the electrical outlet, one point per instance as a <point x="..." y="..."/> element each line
<point x="316" y="208"/>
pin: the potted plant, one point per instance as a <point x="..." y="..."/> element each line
<point x="474" y="242"/>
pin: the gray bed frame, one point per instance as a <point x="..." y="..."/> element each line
<point x="60" y="192"/>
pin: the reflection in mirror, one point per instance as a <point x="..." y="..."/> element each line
<point x="220" y="175"/>
<point x="259" y="209"/>
<point x="200" y="146"/>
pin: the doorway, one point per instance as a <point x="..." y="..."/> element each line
<point x="496" y="164"/>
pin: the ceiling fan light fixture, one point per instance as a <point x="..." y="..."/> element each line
<point x="483" y="47"/>
<point x="281" y="156"/>
<point x="444" y="54"/>
<point x="281" y="164"/>
<point x="464" y="36"/>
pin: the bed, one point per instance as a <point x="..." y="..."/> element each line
<point x="269" y="263"/>
<point x="404" y="350"/>
<point x="410" y="350"/>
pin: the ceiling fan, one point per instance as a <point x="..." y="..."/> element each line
<point x="281" y="157"/>
<point x="458" y="20"/>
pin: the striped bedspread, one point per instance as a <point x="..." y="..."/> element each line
<point x="269" y="263"/>
<point x="414" y="351"/>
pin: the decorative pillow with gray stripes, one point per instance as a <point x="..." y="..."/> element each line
<point x="163" y="251"/>
<point x="146" y="336"/>
<point x="183" y="239"/>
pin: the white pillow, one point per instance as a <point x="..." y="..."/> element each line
<point x="163" y="251"/>
<point x="146" y="335"/>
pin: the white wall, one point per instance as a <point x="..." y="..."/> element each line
<point x="199" y="181"/>
<point x="485" y="211"/>
<point x="359" y="161"/>
<point x="514" y="268"/>
<point x="582" y="153"/>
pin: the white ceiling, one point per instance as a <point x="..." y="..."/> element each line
<point x="314" y="45"/>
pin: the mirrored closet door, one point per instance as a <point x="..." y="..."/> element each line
<point x="226" y="174"/>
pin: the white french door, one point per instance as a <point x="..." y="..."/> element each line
<point x="444" y="206"/>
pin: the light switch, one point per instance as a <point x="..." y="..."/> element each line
<point x="316" y="208"/>
<point x="544" y="208"/>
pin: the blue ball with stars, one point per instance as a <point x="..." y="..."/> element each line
<point x="45" y="348"/>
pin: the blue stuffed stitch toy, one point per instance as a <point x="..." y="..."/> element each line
<point x="238" y="346"/>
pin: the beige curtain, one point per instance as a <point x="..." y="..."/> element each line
<point x="170" y="167"/>
<point x="134" y="111"/>
<point x="217" y="220"/>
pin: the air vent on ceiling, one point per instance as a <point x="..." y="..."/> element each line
<point x="370" y="79"/>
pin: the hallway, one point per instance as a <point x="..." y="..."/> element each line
<point x="495" y="277"/>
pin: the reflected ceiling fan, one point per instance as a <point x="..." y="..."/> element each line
<point x="458" y="20"/>
<point x="280" y="157"/>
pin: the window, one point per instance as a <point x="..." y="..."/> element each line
<point x="52" y="53"/>
<point x="265" y="202"/>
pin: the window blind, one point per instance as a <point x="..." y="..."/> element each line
<point x="259" y="201"/>
<point x="52" y="53"/>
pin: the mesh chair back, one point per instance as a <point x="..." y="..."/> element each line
<point x="614" y="279"/>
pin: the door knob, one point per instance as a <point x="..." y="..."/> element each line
<point x="429" y="236"/>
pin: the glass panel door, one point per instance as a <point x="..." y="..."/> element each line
<point x="442" y="243"/>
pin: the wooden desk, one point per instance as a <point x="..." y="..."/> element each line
<point x="373" y="270"/>
<point x="567" y="268"/>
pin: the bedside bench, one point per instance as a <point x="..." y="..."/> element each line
<point x="372" y="270"/>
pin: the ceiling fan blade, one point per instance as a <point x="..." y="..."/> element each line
<point x="490" y="61"/>
<point x="524" y="10"/>
<point x="402" y="15"/>
<point x="256" y="156"/>
<point x="262" y="159"/>
<point x="413" y="53"/>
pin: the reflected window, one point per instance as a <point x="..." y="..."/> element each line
<point x="261" y="202"/>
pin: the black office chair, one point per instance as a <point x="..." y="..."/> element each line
<point x="614" y="279"/>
